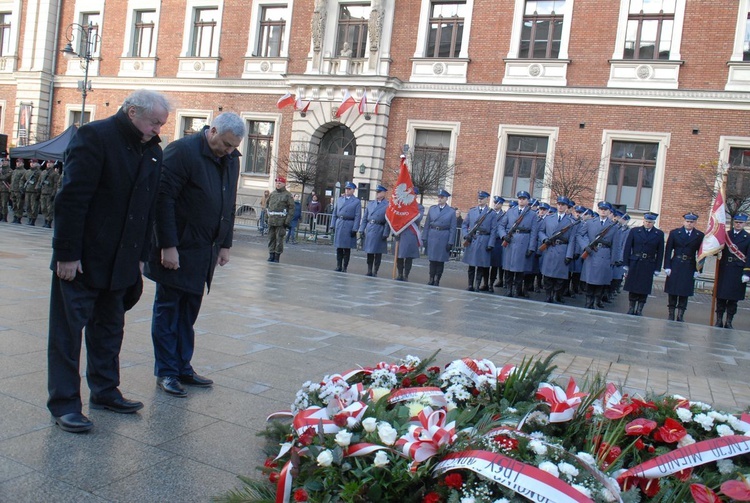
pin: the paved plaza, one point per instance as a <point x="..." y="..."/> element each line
<point x="266" y="328"/>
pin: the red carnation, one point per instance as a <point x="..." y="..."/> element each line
<point x="270" y="463"/>
<point x="431" y="498"/>
<point x="406" y="382"/>
<point x="273" y="477"/>
<point x="454" y="480"/>
<point x="640" y="426"/>
<point x="422" y="379"/>
<point x="300" y="495"/>
<point x="506" y="442"/>
<point x="434" y="370"/>
<point x="340" y="420"/>
<point x="671" y="432"/>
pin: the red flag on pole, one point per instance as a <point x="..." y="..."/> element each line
<point x="285" y="101"/>
<point x="377" y="102"/>
<point x="301" y="105"/>
<point x="403" y="209"/>
<point x="716" y="234"/>
<point x="347" y="102"/>
<point x="363" y="103"/>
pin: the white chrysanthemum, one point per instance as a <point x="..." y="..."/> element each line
<point x="486" y="380"/>
<point x="724" y="431"/>
<point x="567" y="469"/>
<point x="684" y="415"/>
<point x="469" y="499"/>
<point x="607" y="495"/>
<point x="705" y="421"/>
<point x="538" y="417"/>
<point x="686" y="440"/>
<point x="597" y="408"/>
<point x="411" y="361"/>
<point x="383" y="378"/>
<point x="537" y="435"/>
<point x="725" y="466"/>
<point x="538" y="447"/>
<point x="550" y="468"/>
<point x="718" y="416"/>
<point x="502" y="500"/>
<point x="511" y="410"/>
<point x="587" y="458"/>
<point x="702" y="406"/>
<point x="582" y="489"/>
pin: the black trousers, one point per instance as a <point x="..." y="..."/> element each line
<point x="73" y="306"/>
<point x="677" y="301"/>
<point x="436" y="268"/>
<point x="637" y="297"/>
<point x="342" y="257"/>
<point x="374" y="259"/>
<point x="730" y="306"/>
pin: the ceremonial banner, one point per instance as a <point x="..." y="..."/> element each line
<point x="716" y="234"/>
<point x="403" y="209"/>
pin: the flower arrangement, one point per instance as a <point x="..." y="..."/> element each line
<point x="473" y="432"/>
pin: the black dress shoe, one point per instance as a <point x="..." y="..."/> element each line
<point x="195" y="380"/>
<point x="74" y="422"/>
<point x="120" y="405"/>
<point x="171" y="385"/>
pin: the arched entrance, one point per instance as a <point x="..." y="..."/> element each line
<point x="338" y="149"/>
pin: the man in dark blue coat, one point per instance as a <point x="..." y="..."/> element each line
<point x="375" y="230"/>
<point x="643" y="253"/>
<point x="345" y="222"/>
<point x="103" y="216"/>
<point x="680" y="258"/>
<point x="438" y="235"/>
<point x="734" y="272"/>
<point x="192" y="234"/>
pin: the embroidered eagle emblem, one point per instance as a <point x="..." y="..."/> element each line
<point x="402" y="195"/>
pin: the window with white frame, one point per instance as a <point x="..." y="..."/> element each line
<point x="144" y="28"/>
<point x="91" y="20"/>
<point x="351" y="37"/>
<point x="260" y="140"/>
<point x="5" y="25"/>
<point x="525" y="165"/>
<point x="739" y="67"/>
<point x="445" y="32"/>
<point x="271" y="33"/>
<point x="649" y="30"/>
<point x="541" y="35"/>
<point x="746" y="40"/>
<point x="75" y="117"/>
<point x="734" y="156"/>
<point x="205" y="33"/>
<point x="192" y="125"/>
<point x="433" y="152"/>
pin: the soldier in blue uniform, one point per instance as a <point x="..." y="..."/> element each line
<point x="344" y="221"/>
<point x="409" y="245"/>
<point x="643" y="252"/>
<point x="734" y="272"/>
<point x="598" y="239"/>
<point x="496" y="257"/>
<point x="557" y="232"/>
<point x="437" y="236"/>
<point x="481" y="239"/>
<point x="375" y="230"/>
<point x="680" y="258"/>
<point x="618" y="270"/>
<point x="518" y="229"/>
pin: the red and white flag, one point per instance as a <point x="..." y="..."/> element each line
<point x="285" y="101"/>
<point x="363" y="103"/>
<point x="403" y="209"/>
<point x="377" y="102"/>
<point x="301" y="105"/>
<point x="716" y="234"/>
<point x="346" y="103"/>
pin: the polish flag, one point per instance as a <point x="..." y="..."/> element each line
<point x="285" y="101"/>
<point x="716" y="234"/>
<point x="377" y="102"/>
<point x="301" y="105"/>
<point x="403" y="209"/>
<point x="363" y="103"/>
<point x="346" y="103"/>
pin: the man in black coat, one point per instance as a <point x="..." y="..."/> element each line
<point x="643" y="255"/>
<point x="103" y="213"/>
<point x="680" y="258"/>
<point x="734" y="272"/>
<point x="193" y="233"/>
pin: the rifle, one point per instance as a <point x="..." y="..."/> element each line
<point x="470" y="235"/>
<point x="596" y="240"/>
<point x="559" y="233"/>
<point x="509" y="235"/>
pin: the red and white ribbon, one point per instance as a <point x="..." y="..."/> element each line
<point x="423" y="439"/>
<point x="313" y="417"/>
<point x="526" y="480"/>
<point x="433" y="395"/>
<point x="562" y="403"/>
<point x="696" y="454"/>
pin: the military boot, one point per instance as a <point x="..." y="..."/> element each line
<point x="670" y="314"/>
<point x="550" y="299"/>
<point x="432" y="281"/>
<point x="369" y="270"/>
<point x="17" y="220"/>
<point x="639" y="308"/>
<point x="719" y="319"/>
<point x="375" y="271"/>
<point x="437" y="279"/>
<point x="471" y="279"/>
<point x="728" y="323"/>
<point x="559" y="297"/>
<point x="276" y="257"/>
<point x="589" y="302"/>
<point x="478" y="282"/>
<point x="680" y="315"/>
<point x="31" y="222"/>
<point x="271" y="257"/>
<point x="631" y="307"/>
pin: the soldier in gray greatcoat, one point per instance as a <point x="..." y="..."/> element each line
<point x="496" y="257"/>
<point x="280" y="211"/>
<point x="518" y="230"/>
<point x="438" y="235"/>
<point x="557" y="233"/>
<point x="601" y="256"/>
<point x="409" y="245"/>
<point x="375" y="230"/>
<point x="680" y="258"/>
<point x="643" y="253"/>
<point x="344" y="222"/>
<point x="481" y="240"/>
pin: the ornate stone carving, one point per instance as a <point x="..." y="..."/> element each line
<point x="438" y="68"/>
<point x="535" y="70"/>
<point x="265" y="66"/>
<point x="318" y="24"/>
<point x="643" y="72"/>
<point x="137" y="65"/>
<point x="198" y="66"/>
<point x="375" y="25"/>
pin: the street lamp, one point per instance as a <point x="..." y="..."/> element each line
<point x="89" y="38"/>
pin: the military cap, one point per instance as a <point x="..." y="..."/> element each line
<point x="498" y="200"/>
<point x="552" y="209"/>
<point x="280" y="179"/>
<point x="604" y="205"/>
<point x="524" y="194"/>
<point x="533" y="202"/>
<point x="626" y="217"/>
<point x="650" y="216"/>
<point x="740" y="218"/>
<point x="544" y="206"/>
<point x="380" y="188"/>
<point x="564" y="200"/>
<point x="579" y="209"/>
<point x="690" y="216"/>
<point x="444" y="193"/>
<point x="482" y="194"/>
<point x="350" y="185"/>
<point x="596" y="215"/>
<point x="618" y="213"/>
<point x="512" y="204"/>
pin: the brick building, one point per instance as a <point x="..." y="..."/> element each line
<point x="649" y="95"/>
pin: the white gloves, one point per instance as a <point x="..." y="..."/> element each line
<point x="656" y="273"/>
<point x="625" y="268"/>
<point x="696" y="274"/>
<point x="745" y="278"/>
<point x="667" y="271"/>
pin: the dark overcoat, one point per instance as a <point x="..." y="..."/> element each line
<point x="105" y="208"/>
<point x="375" y="227"/>
<point x="597" y="268"/>
<point x="553" y="258"/>
<point x="476" y="253"/>
<point x="731" y="268"/>
<point x="643" y="253"/>
<point x="523" y="239"/>
<point x="680" y="256"/>
<point x="439" y="232"/>
<point x="345" y="220"/>
<point x="194" y="212"/>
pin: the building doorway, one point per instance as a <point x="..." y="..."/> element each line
<point x="338" y="149"/>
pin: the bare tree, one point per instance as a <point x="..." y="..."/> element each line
<point x="430" y="171"/>
<point x="573" y="175"/>
<point x="301" y="165"/>
<point x="736" y="188"/>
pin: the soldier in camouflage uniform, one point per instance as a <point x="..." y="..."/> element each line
<point x="5" y="173"/>
<point x="280" y="211"/>
<point x="32" y="183"/>
<point x="49" y="182"/>
<point x="16" y="190"/>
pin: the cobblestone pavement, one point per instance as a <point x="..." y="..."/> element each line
<point x="266" y="328"/>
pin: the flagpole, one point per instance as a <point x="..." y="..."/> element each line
<point x="395" y="260"/>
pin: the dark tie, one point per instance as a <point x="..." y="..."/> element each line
<point x="688" y="233"/>
<point x="559" y="219"/>
<point x="602" y="222"/>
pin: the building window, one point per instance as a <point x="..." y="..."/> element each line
<point x="649" y="30"/>
<point x="352" y="31"/>
<point x="431" y="165"/>
<point x="5" y="33"/>
<point x="192" y="125"/>
<point x="446" y="29"/>
<point x="541" y="35"/>
<point x="746" y="42"/>
<point x="738" y="181"/>
<point x="143" y="33"/>
<point x="259" y="147"/>
<point x="93" y="20"/>
<point x="272" y="26"/>
<point x="204" y="32"/>
<point x="75" y="117"/>
<point x="632" y="167"/>
<point x="525" y="162"/>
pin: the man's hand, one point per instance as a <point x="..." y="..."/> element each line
<point x="489" y="248"/>
<point x="66" y="271"/>
<point x="506" y="238"/>
<point x="568" y="260"/>
<point x="618" y="263"/>
<point x="745" y="278"/>
<point x="223" y="256"/>
<point x="529" y="253"/>
<point x="696" y="274"/>
<point x="170" y="258"/>
<point x="656" y="273"/>
<point x="667" y="272"/>
<point x="448" y="247"/>
<point x="354" y="234"/>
